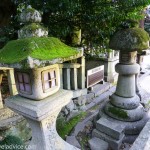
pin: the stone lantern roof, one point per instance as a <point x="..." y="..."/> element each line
<point x="129" y="40"/>
<point x="34" y="49"/>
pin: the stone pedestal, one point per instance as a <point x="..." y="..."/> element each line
<point x="42" y="116"/>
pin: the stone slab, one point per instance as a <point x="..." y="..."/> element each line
<point x="6" y="113"/>
<point x="98" y="144"/>
<point x="79" y="92"/>
<point x="110" y="128"/>
<point x="143" y="140"/>
<point x="100" y="88"/>
<point x="39" y="110"/>
<point x="114" y="144"/>
<point x="73" y="141"/>
<point x="89" y="97"/>
<point x="7" y="123"/>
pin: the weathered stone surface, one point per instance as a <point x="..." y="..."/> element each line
<point x="114" y="144"/>
<point x="98" y="144"/>
<point x="80" y="100"/>
<point x="110" y="128"/>
<point x="6" y="113"/>
<point x="73" y="141"/>
<point x="125" y="114"/>
<point x="79" y="92"/>
<point x="70" y="106"/>
<point x="143" y="140"/>
<point x="17" y="126"/>
<point x="37" y="90"/>
<point x="89" y="97"/>
<point x="100" y="88"/>
<point x="132" y="39"/>
<point x="124" y="102"/>
<point x="41" y="116"/>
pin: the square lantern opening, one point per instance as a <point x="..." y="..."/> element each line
<point x="49" y="80"/>
<point x="38" y="83"/>
<point x="24" y="82"/>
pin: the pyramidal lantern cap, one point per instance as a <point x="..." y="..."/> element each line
<point x="35" y="57"/>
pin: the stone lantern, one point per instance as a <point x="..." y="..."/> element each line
<point x="36" y="58"/>
<point x="125" y="99"/>
<point x="123" y="117"/>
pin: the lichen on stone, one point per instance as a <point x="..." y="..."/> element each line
<point x="32" y="30"/>
<point x="131" y="39"/>
<point x="118" y="112"/>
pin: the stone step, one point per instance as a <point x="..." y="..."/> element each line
<point x="7" y="123"/>
<point x="6" y="113"/>
<point x="113" y="143"/>
<point x="100" y="88"/>
<point x="115" y="130"/>
<point x="98" y="144"/>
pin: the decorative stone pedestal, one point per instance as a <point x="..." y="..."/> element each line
<point x="42" y="116"/>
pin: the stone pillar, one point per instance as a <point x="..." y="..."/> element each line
<point x="1" y="102"/>
<point x="74" y="85"/>
<point x="81" y="73"/>
<point x="11" y="82"/>
<point x="42" y="116"/>
<point x="66" y="78"/>
<point x="124" y="103"/>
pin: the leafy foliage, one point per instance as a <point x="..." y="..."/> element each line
<point x="97" y="19"/>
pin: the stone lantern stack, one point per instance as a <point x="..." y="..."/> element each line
<point x="123" y="117"/>
<point x="35" y="58"/>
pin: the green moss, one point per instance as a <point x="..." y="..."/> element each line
<point x="118" y="112"/>
<point x="33" y="27"/>
<point x="44" y="48"/>
<point x="12" y="142"/>
<point x="132" y="39"/>
<point x="65" y="127"/>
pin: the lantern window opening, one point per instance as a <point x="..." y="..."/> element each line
<point x="24" y="84"/>
<point x="49" y="78"/>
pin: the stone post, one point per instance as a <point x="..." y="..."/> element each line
<point x="74" y="85"/>
<point x="66" y="78"/>
<point x="42" y="116"/>
<point x="11" y="82"/>
<point x="1" y="102"/>
<point x="81" y="73"/>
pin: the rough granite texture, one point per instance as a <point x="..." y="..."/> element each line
<point x="131" y="39"/>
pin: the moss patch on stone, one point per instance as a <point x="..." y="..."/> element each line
<point x="65" y="127"/>
<point x="131" y="39"/>
<point x="33" y="27"/>
<point x="44" y="48"/>
<point x="118" y="112"/>
<point x="12" y="141"/>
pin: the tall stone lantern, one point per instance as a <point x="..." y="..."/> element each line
<point x="124" y="104"/>
<point x="123" y="117"/>
<point x="35" y="58"/>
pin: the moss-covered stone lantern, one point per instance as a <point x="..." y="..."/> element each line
<point x="35" y="57"/>
<point x="124" y="104"/>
